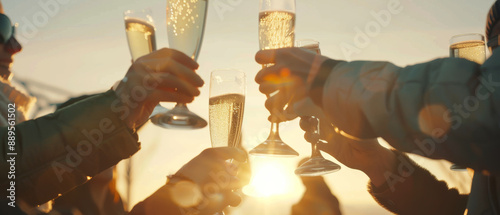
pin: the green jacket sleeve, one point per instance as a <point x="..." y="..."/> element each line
<point x="443" y="109"/>
<point x="60" y="151"/>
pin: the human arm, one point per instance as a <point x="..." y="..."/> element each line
<point x="419" y="109"/>
<point x="413" y="108"/>
<point x="411" y="189"/>
<point x="58" y="152"/>
<point x="396" y="182"/>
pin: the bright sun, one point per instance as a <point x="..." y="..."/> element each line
<point x="270" y="177"/>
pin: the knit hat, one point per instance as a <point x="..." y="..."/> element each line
<point x="493" y="18"/>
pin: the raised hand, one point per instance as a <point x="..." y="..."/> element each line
<point x="365" y="155"/>
<point x="217" y="178"/>
<point x="165" y="75"/>
<point x="291" y="75"/>
<point x="202" y="186"/>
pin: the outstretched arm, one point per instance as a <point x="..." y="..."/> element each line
<point x="411" y="189"/>
<point x="57" y="152"/>
<point x="396" y="182"/>
<point x="443" y="109"/>
<point x="60" y="151"/>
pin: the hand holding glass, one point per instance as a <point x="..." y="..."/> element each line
<point x="141" y="38"/>
<point x="317" y="164"/>
<point x="185" y="27"/>
<point x="276" y="30"/>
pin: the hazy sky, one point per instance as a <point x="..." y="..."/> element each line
<point x="80" y="46"/>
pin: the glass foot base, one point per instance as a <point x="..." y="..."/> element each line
<point x="274" y="148"/>
<point x="317" y="166"/>
<point x="178" y="118"/>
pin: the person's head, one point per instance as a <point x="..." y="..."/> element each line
<point x="493" y="26"/>
<point x="8" y="44"/>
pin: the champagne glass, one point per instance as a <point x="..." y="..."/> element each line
<point x="471" y="47"/>
<point x="468" y="46"/>
<point x="317" y="164"/>
<point x="141" y="38"/>
<point x="185" y="27"/>
<point x="226" y="107"/>
<point x="140" y="30"/>
<point x="276" y="30"/>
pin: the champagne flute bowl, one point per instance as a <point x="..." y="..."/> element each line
<point x="276" y="30"/>
<point x="185" y="28"/>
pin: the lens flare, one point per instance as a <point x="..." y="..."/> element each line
<point x="270" y="177"/>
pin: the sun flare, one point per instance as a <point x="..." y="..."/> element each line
<point x="270" y="177"/>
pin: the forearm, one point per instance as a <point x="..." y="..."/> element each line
<point x="383" y="163"/>
<point x="59" y="151"/>
<point x="160" y="204"/>
<point x="410" y="189"/>
<point x="414" y="108"/>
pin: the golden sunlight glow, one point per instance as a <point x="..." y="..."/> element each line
<point x="270" y="177"/>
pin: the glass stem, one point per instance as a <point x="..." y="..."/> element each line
<point x="315" y="152"/>
<point x="275" y="127"/>
<point x="181" y="105"/>
<point x="275" y="131"/>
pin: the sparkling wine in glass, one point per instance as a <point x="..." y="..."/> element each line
<point x="471" y="47"/>
<point x="317" y="164"/>
<point x="276" y="30"/>
<point x="185" y="27"/>
<point x="226" y="107"/>
<point x="140" y="30"/>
